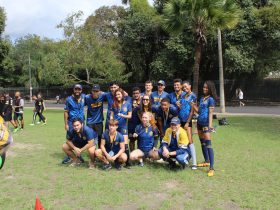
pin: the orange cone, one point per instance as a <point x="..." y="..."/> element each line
<point x="38" y="205"/>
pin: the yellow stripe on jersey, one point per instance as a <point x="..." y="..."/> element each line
<point x="4" y="133"/>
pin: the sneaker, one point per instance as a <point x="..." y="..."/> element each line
<point x="15" y="130"/>
<point x="91" y="165"/>
<point x="118" y="166"/>
<point x="127" y="165"/>
<point x="172" y="164"/>
<point x="38" y="123"/>
<point x="107" y="167"/>
<point x="81" y="159"/>
<point x="141" y="164"/>
<point x="75" y="163"/>
<point x="66" y="160"/>
<point x="31" y="124"/>
<point x="194" y="167"/>
<point x="205" y="164"/>
<point x="210" y="172"/>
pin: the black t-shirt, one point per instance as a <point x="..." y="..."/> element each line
<point x="8" y="107"/>
<point x="39" y="104"/>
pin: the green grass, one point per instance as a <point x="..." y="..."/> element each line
<point x="246" y="161"/>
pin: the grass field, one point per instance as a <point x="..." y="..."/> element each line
<point x="247" y="154"/>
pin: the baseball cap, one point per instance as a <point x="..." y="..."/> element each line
<point x="96" y="87"/>
<point x="161" y="82"/>
<point x="78" y="86"/>
<point x="175" y="120"/>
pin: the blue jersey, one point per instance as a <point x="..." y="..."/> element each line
<point x="114" y="144"/>
<point x="185" y="109"/>
<point x="156" y="97"/>
<point x="173" y="97"/>
<point x="75" y="108"/>
<point x="82" y="138"/>
<point x="146" y="138"/>
<point x="203" y="112"/>
<point x="95" y="108"/>
<point x="166" y="117"/>
<point x="134" y="120"/>
<point x="124" y="109"/>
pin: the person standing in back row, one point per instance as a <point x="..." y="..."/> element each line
<point x="18" y="113"/>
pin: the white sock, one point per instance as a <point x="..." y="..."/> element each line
<point x="193" y="154"/>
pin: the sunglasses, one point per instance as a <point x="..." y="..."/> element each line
<point x="145" y="99"/>
<point x="160" y="85"/>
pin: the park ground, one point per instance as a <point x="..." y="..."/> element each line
<point x="246" y="162"/>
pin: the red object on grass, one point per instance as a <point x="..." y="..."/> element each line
<point x="38" y="205"/>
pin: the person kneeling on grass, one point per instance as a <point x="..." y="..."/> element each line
<point x="80" y="138"/>
<point x="5" y="141"/>
<point x="112" y="147"/>
<point x="175" y="145"/>
<point x="145" y="133"/>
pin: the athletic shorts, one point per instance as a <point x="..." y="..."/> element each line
<point x="123" y="130"/>
<point x="8" y="116"/>
<point x="203" y="128"/>
<point x="146" y="154"/>
<point x="79" y="144"/>
<point x="184" y="123"/>
<point x="18" y="116"/>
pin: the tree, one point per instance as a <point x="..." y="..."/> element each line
<point x="201" y="17"/>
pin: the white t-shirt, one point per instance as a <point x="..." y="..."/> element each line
<point x="240" y="95"/>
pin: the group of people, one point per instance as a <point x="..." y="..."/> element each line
<point x="159" y="122"/>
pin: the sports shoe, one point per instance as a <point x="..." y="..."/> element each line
<point x="194" y="167"/>
<point x="75" y="163"/>
<point x="81" y="159"/>
<point x="107" y="166"/>
<point x="91" y="165"/>
<point x="32" y="124"/>
<point x="38" y="122"/>
<point x="127" y="165"/>
<point x="66" y="160"/>
<point x="15" y="130"/>
<point x="172" y="164"/>
<point x="118" y="165"/>
<point x="141" y="164"/>
<point x="205" y="164"/>
<point x="210" y="172"/>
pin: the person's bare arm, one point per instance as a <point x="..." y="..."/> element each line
<point x="122" y="146"/>
<point x="211" y="111"/>
<point x="66" y="120"/>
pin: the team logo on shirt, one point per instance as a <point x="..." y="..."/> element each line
<point x="116" y="143"/>
<point x="151" y="133"/>
<point x="84" y="138"/>
<point x="125" y="109"/>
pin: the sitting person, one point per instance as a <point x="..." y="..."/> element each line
<point x="112" y="147"/>
<point x="175" y="145"/>
<point x="146" y="139"/>
<point x="5" y="141"/>
<point x="80" y="138"/>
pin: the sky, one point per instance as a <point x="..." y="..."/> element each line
<point x="41" y="16"/>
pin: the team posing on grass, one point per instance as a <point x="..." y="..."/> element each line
<point x="159" y="122"/>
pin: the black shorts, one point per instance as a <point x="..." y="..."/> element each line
<point x="8" y="116"/>
<point x="203" y="128"/>
<point x="184" y="123"/>
<point x="79" y="144"/>
<point x="146" y="154"/>
<point x="18" y="116"/>
<point x="98" y="128"/>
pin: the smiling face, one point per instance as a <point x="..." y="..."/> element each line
<point x="112" y="128"/>
<point x="160" y="87"/>
<point x="113" y="88"/>
<point x="205" y="89"/>
<point x="136" y="95"/>
<point x="187" y="87"/>
<point x="165" y="106"/>
<point x="119" y="95"/>
<point x="145" y="100"/>
<point x="177" y="86"/>
<point x="77" y="126"/>
<point x="174" y="127"/>
<point x="145" y="118"/>
<point x="148" y="87"/>
<point x="77" y="92"/>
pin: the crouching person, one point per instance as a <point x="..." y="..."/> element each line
<point x="112" y="147"/>
<point x="5" y="141"/>
<point x="81" y="138"/>
<point x="145" y="134"/>
<point x="175" y="145"/>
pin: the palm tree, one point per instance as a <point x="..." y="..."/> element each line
<point x="203" y="17"/>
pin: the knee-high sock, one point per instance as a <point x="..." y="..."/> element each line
<point x="193" y="153"/>
<point x="204" y="150"/>
<point x="127" y="153"/>
<point x="210" y="152"/>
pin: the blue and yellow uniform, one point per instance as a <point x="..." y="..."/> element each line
<point x="203" y="113"/>
<point x="5" y="141"/>
<point x="185" y="109"/>
<point x="112" y="144"/>
<point x="124" y="109"/>
<point x="176" y="141"/>
<point x="156" y="97"/>
<point x="165" y="117"/>
<point x="146" y="138"/>
<point x="75" y="108"/>
<point x="95" y="108"/>
<point x="174" y="97"/>
<point x="134" y="120"/>
<point x="80" y="139"/>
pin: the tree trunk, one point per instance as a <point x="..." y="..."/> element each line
<point x="197" y="59"/>
<point x="221" y="73"/>
<point x="87" y="75"/>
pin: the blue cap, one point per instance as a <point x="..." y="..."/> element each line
<point x="96" y="87"/>
<point x="175" y="120"/>
<point x="78" y="86"/>
<point x="161" y="82"/>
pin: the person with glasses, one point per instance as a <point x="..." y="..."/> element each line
<point x="94" y="103"/>
<point x="158" y="95"/>
<point x="73" y="109"/>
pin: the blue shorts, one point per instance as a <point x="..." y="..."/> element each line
<point x="203" y="128"/>
<point x="146" y="153"/>
<point x="123" y="130"/>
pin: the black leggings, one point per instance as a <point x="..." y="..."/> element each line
<point x="41" y="116"/>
